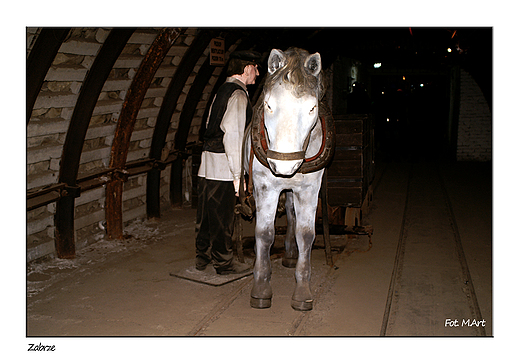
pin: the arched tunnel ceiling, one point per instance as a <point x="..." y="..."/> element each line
<point x="398" y="47"/>
<point x="190" y="81"/>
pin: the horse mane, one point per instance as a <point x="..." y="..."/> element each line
<point x="295" y="75"/>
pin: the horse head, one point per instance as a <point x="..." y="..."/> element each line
<point x="291" y="96"/>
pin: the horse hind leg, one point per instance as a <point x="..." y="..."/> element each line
<point x="290" y="257"/>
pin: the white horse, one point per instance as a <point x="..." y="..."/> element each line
<point x="292" y="142"/>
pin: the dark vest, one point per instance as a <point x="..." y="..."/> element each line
<point x="214" y="136"/>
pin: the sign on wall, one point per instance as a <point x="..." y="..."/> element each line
<point x="217" y="50"/>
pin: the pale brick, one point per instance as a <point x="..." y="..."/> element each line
<point x="90" y="219"/>
<point x="35" y="155"/>
<point x="36" y="226"/>
<point x="148" y="112"/>
<point x="142" y="134"/>
<point x="47" y="101"/>
<point x="100" y="131"/>
<point x="164" y="71"/>
<point x="126" y="61"/>
<point x="137" y="213"/>
<point x="142" y="37"/>
<point x="66" y="74"/>
<point x="155" y="92"/>
<point x="116" y="85"/>
<point x="93" y="155"/>
<point x="134" y="193"/>
<point x="40" y="250"/>
<point x="80" y="47"/>
<point x="47" y="127"/>
<point x="108" y="107"/>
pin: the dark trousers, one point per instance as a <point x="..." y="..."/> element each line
<point x="215" y="216"/>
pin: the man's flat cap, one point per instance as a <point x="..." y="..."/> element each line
<point x="250" y="56"/>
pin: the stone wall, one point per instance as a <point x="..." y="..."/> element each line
<point x="474" y="140"/>
<point x="51" y="117"/>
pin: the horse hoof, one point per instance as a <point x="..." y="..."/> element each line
<point x="260" y="302"/>
<point x="301" y="305"/>
<point x="289" y="262"/>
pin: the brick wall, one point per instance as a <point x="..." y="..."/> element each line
<point x="51" y="117"/>
<point x="474" y="140"/>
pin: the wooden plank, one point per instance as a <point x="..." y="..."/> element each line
<point x="346" y="168"/>
<point x="344" y="182"/>
<point x="345" y="196"/>
<point x="349" y="140"/>
<point x="349" y="127"/>
<point x="342" y="154"/>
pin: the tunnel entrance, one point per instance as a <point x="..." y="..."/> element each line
<point x="410" y="105"/>
<point x="411" y="116"/>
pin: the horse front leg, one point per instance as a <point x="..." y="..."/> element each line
<point x="291" y="249"/>
<point x="305" y="208"/>
<point x="266" y="203"/>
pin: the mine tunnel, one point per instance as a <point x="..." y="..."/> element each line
<point x="115" y="118"/>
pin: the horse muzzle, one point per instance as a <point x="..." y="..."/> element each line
<point x="284" y="164"/>
<point x="285" y="168"/>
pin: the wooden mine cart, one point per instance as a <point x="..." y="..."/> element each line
<point x="350" y="175"/>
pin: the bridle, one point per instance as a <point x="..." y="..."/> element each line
<point x="311" y="164"/>
<point x="260" y="149"/>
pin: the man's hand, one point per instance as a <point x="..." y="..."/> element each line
<point x="236" y="184"/>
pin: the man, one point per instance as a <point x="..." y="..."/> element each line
<point x="221" y="163"/>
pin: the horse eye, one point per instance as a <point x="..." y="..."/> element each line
<point x="267" y="106"/>
<point x="313" y="109"/>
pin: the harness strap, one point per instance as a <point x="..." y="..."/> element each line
<point x="250" y="184"/>
<point x="294" y="155"/>
<point x="309" y="165"/>
<point x="285" y="156"/>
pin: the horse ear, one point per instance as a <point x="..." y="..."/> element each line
<point x="313" y="64"/>
<point x="276" y="61"/>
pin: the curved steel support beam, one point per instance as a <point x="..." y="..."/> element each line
<point x="125" y="126"/>
<point x="96" y="77"/>
<point x="39" y="61"/>
<point x="165" y="114"/>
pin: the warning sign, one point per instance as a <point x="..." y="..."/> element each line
<point x="216" y="52"/>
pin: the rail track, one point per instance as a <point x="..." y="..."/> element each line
<point x="430" y="286"/>
<point x="415" y="211"/>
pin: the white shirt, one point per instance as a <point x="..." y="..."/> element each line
<point x="227" y="166"/>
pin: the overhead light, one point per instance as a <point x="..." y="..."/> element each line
<point x="449" y="50"/>
<point x="377" y="65"/>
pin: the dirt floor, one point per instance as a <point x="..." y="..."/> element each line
<point x="119" y="289"/>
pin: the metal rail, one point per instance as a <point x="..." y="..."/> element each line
<point x="398" y="262"/>
<point x="468" y="287"/>
<point x="38" y="197"/>
<point x="467" y="283"/>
